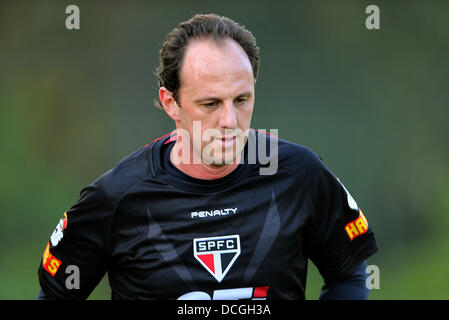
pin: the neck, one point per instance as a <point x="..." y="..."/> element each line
<point x="202" y="170"/>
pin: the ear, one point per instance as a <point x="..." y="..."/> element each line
<point x="169" y="103"/>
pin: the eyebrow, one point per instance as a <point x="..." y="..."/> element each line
<point x="245" y="94"/>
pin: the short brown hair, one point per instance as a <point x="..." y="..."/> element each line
<point x="210" y="26"/>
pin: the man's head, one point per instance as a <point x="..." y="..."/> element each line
<point x="207" y="72"/>
<point x="201" y="26"/>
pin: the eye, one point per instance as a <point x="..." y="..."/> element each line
<point x="210" y="104"/>
<point x="241" y="100"/>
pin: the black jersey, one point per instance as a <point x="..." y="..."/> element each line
<point x="161" y="234"/>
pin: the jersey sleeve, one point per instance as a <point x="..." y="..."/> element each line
<point x="76" y="256"/>
<point x="339" y="238"/>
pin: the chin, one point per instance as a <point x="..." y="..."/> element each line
<point x="221" y="161"/>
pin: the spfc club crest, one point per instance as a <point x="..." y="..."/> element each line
<point x="217" y="254"/>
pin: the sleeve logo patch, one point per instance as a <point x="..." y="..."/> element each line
<point x="357" y="227"/>
<point x="351" y="202"/>
<point x="58" y="233"/>
<point x="49" y="262"/>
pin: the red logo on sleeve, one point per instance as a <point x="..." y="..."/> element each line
<point x="357" y="227"/>
<point x="49" y="262"/>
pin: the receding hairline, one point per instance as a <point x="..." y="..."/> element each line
<point x="221" y="43"/>
<point x="209" y="26"/>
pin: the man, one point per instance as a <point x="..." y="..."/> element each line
<point x="194" y="215"/>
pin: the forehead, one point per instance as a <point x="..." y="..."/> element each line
<point x="208" y="63"/>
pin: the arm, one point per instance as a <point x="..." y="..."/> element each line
<point x="41" y="295"/>
<point x="78" y="240"/>
<point x="352" y="287"/>
<point x="339" y="239"/>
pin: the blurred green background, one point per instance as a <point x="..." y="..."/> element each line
<point x="373" y="103"/>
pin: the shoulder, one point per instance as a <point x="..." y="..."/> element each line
<point x="89" y="218"/>
<point x="115" y="182"/>
<point x="308" y="167"/>
<point x="299" y="160"/>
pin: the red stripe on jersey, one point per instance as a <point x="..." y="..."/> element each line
<point x="162" y="137"/>
<point x="265" y="133"/>
<point x="172" y="138"/>
<point x="260" y="292"/>
<point x="157" y="139"/>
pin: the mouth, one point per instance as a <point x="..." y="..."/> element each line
<point x="227" y="141"/>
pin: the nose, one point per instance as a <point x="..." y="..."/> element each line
<point x="228" y="117"/>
